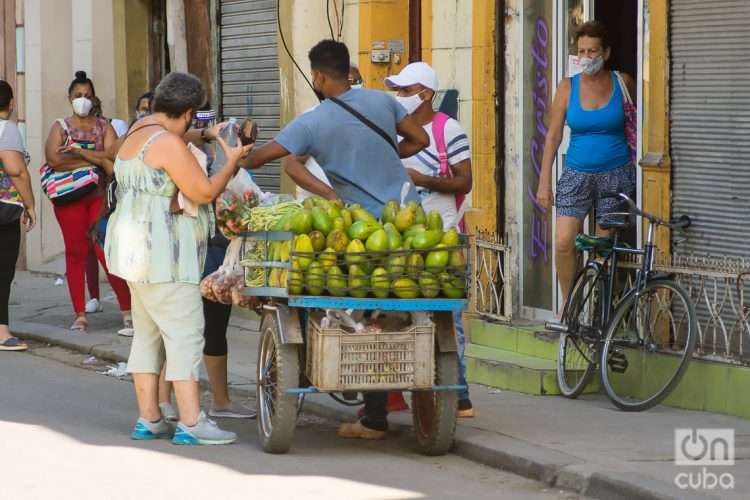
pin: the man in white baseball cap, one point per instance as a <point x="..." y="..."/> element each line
<point x="441" y="171"/>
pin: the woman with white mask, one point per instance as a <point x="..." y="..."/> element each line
<point x="599" y="159"/>
<point x="74" y="143"/>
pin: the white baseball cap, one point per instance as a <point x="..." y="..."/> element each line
<point x="416" y="72"/>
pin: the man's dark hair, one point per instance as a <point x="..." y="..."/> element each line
<point x="178" y="93"/>
<point x="81" y="79"/>
<point x="594" y="29"/>
<point x="6" y="94"/>
<point x="146" y="95"/>
<point x="330" y="57"/>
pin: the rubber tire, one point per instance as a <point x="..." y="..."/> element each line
<point x="439" y="407"/>
<point x="586" y="273"/>
<point x="278" y="438"/>
<point x="620" y="311"/>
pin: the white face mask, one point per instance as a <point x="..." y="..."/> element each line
<point x="411" y="103"/>
<point x="592" y="66"/>
<point x="82" y="106"/>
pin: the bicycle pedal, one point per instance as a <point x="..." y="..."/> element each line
<point x="617" y="362"/>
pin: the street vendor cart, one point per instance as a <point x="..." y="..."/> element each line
<point x="302" y="352"/>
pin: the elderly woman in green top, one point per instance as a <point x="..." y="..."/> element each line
<point x="159" y="250"/>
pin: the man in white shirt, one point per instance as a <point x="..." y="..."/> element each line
<point x="442" y="187"/>
<point x="439" y="188"/>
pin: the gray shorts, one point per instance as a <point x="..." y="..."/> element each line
<point x="579" y="192"/>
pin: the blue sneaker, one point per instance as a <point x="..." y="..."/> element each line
<point x="146" y="431"/>
<point x="205" y="431"/>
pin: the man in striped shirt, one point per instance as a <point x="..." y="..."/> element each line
<point x="440" y="189"/>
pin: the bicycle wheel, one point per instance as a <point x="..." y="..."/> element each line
<point x="648" y="345"/>
<point x="578" y="351"/>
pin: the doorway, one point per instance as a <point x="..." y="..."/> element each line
<point x="623" y="20"/>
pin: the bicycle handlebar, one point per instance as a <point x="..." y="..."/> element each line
<point x="682" y="222"/>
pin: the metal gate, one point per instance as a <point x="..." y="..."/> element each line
<point x="249" y="72"/>
<point x="710" y="131"/>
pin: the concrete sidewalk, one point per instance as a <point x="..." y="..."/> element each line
<point x="585" y="445"/>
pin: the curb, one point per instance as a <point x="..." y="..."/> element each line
<point x="497" y="451"/>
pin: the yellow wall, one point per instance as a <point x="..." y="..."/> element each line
<point x="483" y="119"/>
<point x="382" y="20"/>
<point x="656" y="164"/>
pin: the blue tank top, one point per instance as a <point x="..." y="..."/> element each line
<point x="597" y="142"/>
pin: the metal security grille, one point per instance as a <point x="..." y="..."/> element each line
<point x="710" y="133"/>
<point x="250" y="72"/>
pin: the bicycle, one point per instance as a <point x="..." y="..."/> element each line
<point x="642" y="343"/>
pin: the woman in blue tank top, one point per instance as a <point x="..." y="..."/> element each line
<point x="598" y="158"/>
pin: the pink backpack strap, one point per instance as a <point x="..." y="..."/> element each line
<point x="438" y="133"/>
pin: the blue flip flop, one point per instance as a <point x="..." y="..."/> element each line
<point x="13" y="344"/>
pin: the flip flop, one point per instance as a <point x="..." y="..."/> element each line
<point x="80" y="325"/>
<point x="13" y="344"/>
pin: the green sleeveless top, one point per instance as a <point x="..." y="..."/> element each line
<point x="145" y="242"/>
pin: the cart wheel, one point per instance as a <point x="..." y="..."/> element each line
<point x="278" y="370"/>
<point x="435" y="412"/>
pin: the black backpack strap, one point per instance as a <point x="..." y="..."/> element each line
<point x="367" y="122"/>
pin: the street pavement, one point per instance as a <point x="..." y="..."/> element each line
<point x="584" y="445"/>
<point x="65" y="436"/>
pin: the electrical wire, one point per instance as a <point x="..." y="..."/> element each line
<point x="328" y="16"/>
<point x="341" y="20"/>
<point x="286" y="48"/>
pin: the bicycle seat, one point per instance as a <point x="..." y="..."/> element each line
<point x="601" y="244"/>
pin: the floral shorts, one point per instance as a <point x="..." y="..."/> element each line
<point x="579" y="192"/>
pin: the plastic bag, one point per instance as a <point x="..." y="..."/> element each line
<point x="234" y="204"/>
<point x="226" y="284"/>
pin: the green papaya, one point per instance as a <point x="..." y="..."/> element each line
<point x="321" y="221"/>
<point x="295" y="279"/>
<point x="434" y="221"/>
<point x="429" y="284"/>
<point x="397" y="264"/>
<point x="346" y="215"/>
<point x="354" y="252"/>
<point x="450" y="238"/>
<point x="360" y="214"/>
<point x="414" y="265"/>
<point x="390" y="210"/>
<point x="359" y="282"/>
<point x="316" y="278"/>
<point x="338" y="223"/>
<point x="419" y="216"/>
<point x="362" y="229"/>
<point x="437" y="260"/>
<point x="405" y="218"/>
<point x="454" y="287"/>
<point x="318" y="240"/>
<point x="303" y="245"/>
<point x="336" y="282"/>
<point x="309" y="202"/>
<point x="405" y="288"/>
<point x="380" y="283"/>
<point x="301" y="222"/>
<point x="414" y="230"/>
<point x="426" y="240"/>
<point x="327" y="258"/>
<point x="337" y="240"/>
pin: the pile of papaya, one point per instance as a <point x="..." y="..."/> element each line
<point x="346" y="251"/>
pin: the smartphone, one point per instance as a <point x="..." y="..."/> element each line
<point x="248" y="132"/>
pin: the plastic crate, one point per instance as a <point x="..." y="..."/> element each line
<point x="389" y="360"/>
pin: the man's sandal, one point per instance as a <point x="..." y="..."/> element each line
<point x="13" y="344"/>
